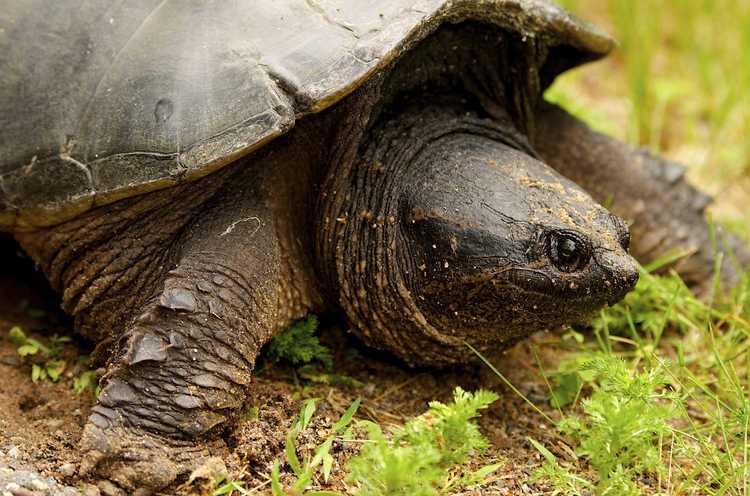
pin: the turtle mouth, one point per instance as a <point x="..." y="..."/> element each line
<point x="513" y="295"/>
<point x="573" y="294"/>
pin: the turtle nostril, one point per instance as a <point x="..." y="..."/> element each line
<point x="623" y="232"/>
<point x="632" y="279"/>
<point x="628" y="281"/>
<point x="625" y="240"/>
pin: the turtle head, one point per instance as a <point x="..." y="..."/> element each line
<point x="500" y="245"/>
<point x="446" y="232"/>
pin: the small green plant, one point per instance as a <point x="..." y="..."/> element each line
<point x="321" y="462"/>
<point x="418" y="458"/>
<point x="623" y="422"/>
<point x="226" y="487"/>
<point x="87" y="380"/>
<point x="46" y="362"/>
<point x="566" y="383"/>
<point x="299" y="345"/>
<point x="562" y="480"/>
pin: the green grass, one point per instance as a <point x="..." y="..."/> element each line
<point x="420" y="458"/>
<point x="427" y="456"/>
<point x="321" y="462"/>
<point x="658" y="389"/>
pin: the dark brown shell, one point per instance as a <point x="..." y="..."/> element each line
<point x="103" y="101"/>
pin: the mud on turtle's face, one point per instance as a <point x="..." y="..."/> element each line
<point x="498" y="241"/>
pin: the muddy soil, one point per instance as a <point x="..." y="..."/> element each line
<point x="40" y="423"/>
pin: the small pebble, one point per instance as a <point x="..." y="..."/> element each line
<point x="109" y="489"/>
<point x="91" y="490"/>
<point x="68" y="469"/>
<point x="38" y="485"/>
<point x="22" y="491"/>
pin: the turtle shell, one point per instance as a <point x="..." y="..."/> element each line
<point x="104" y="100"/>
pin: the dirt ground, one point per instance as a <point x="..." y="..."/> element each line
<point x="40" y="423"/>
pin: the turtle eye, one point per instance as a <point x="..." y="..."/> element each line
<point x="568" y="251"/>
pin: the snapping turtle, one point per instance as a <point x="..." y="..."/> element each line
<point x="192" y="177"/>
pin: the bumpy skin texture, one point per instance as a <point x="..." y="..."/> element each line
<point x="189" y="353"/>
<point x="447" y="235"/>
<point x="666" y="213"/>
<point x="182" y="287"/>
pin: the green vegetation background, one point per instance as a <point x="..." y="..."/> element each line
<point x="678" y="83"/>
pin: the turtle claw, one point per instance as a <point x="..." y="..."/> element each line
<point x="134" y="459"/>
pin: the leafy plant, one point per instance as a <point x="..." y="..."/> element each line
<point x="299" y="345"/>
<point x="305" y="470"/>
<point x="568" y="381"/>
<point x="226" y="487"/>
<point x="46" y="362"/>
<point x="87" y="380"/>
<point x="418" y="458"/>
<point x="623" y="421"/>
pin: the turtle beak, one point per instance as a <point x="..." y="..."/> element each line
<point x="621" y="273"/>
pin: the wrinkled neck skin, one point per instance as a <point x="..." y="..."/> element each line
<point x="438" y="233"/>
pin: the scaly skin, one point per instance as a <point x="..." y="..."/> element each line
<point x="181" y="288"/>
<point x="444" y="228"/>
<point x="443" y="232"/>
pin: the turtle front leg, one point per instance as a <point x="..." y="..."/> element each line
<point x="667" y="212"/>
<point x="186" y="360"/>
<point x="186" y="287"/>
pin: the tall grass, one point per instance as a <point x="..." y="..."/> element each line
<point x="682" y="72"/>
